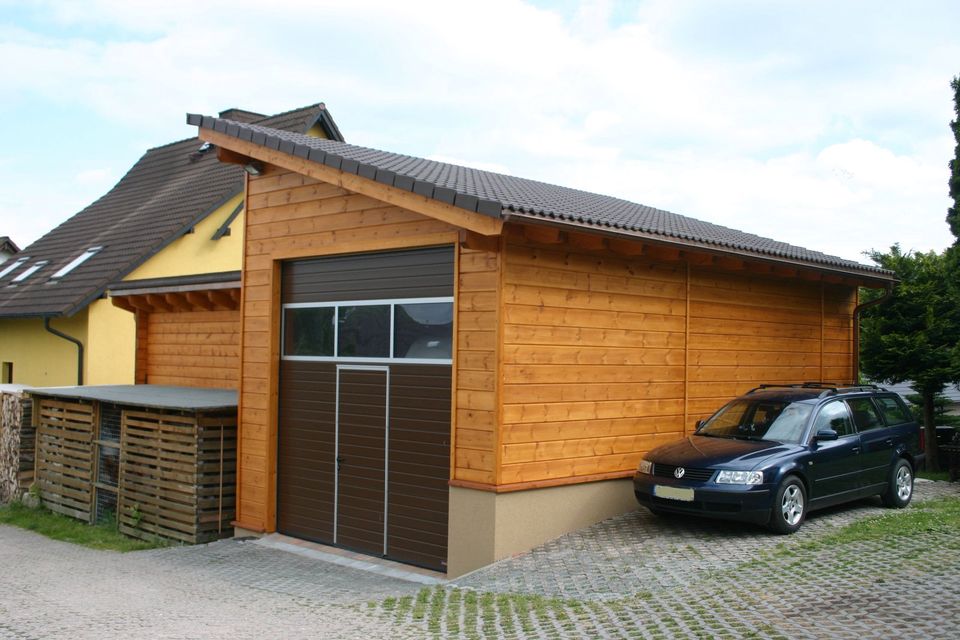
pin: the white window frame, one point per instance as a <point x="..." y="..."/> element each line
<point x="76" y="262"/>
<point x="14" y="264"/>
<point x="391" y="302"/>
<point x="36" y="266"/>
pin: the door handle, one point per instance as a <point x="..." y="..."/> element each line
<point x="855" y="449"/>
<point x="888" y="441"/>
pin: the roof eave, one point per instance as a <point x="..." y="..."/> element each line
<point x="880" y="279"/>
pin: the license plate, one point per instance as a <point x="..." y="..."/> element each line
<point x="673" y="493"/>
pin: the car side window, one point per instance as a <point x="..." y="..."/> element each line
<point x="893" y="410"/>
<point x="865" y="414"/>
<point x="834" y="415"/>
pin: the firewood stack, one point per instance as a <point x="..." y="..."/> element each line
<point x="16" y="446"/>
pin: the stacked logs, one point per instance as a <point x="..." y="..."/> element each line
<point x="16" y="445"/>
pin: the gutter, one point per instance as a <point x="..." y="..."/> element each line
<point x="60" y="334"/>
<point x="856" y="327"/>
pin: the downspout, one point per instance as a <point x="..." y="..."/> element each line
<point x="856" y="327"/>
<point x="60" y="334"/>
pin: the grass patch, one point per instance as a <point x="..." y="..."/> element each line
<point x="52" y="525"/>
<point x="932" y="516"/>
<point x="939" y="476"/>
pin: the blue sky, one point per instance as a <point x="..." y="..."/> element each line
<point x="824" y="124"/>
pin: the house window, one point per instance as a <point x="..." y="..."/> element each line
<point x="29" y="272"/>
<point x="76" y="262"/>
<point x="6" y="373"/>
<point x="12" y="266"/>
<point x="417" y="330"/>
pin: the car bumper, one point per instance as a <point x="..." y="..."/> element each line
<point x="730" y="502"/>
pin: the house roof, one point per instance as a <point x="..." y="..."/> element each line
<point x="168" y="191"/>
<point x="503" y="196"/>
<point x="7" y="245"/>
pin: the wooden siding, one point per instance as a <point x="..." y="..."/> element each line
<point x="598" y="368"/>
<point x="191" y="348"/>
<point x="290" y="216"/>
<point x="476" y="415"/>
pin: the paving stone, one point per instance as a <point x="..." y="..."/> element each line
<point x="634" y="576"/>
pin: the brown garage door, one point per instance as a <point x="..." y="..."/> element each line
<point x="365" y="390"/>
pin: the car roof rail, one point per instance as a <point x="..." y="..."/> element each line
<point x="828" y="388"/>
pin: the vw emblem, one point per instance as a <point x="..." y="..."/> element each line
<point x="678" y="472"/>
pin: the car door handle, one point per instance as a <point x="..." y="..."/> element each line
<point x="888" y="441"/>
<point x="855" y="449"/>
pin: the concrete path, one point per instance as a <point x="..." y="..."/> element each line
<point x="634" y="576"/>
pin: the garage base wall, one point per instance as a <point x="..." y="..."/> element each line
<point x="486" y="527"/>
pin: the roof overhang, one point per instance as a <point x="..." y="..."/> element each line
<point x="239" y="151"/>
<point x="204" y="292"/>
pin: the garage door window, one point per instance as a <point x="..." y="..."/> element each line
<point x="418" y="330"/>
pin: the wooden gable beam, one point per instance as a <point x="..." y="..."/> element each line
<point x="477" y="242"/>
<point x="222" y="298"/>
<point x="587" y="241"/>
<point x="158" y="302"/>
<point x="200" y="299"/>
<point x="543" y="235"/>
<point x="470" y="220"/>
<point x="626" y="247"/>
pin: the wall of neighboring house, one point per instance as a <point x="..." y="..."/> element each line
<point x="110" y="344"/>
<point x="39" y="358"/>
<point x="198" y="252"/>
<point x="191" y="347"/>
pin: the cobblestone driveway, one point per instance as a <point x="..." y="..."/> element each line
<point x="629" y="577"/>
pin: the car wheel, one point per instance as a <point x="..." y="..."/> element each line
<point x="789" y="506"/>
<point x="900" y="486"/>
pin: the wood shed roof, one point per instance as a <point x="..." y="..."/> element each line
<point x="508" y="197"/>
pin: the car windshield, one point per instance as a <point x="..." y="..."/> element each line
<point x="747" y="419"/>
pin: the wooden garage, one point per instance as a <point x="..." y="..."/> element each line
<point x="586" y="330"/>
<point x="364" y="410"/>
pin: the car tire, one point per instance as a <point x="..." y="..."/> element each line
<point x="789" y="506"/>
<point x="899" y="490"/>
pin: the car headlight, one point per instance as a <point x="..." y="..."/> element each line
<point x="740" y="477"/>
<point x="645" y="466"/>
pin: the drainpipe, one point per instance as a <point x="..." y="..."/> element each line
<point x="60" y="334"/>
<point x="856" y="327"/>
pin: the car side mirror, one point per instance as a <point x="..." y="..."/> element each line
<point x="826" y="434"/>
<point x="700" y="424"/>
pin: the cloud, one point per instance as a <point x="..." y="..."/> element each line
<point x="818" y="124"/>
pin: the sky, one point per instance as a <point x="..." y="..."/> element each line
<point x="822" y="124"/>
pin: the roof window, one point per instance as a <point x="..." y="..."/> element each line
<point x="13" y="265"/>
<point x="76" y="262"/>
<point x="36" y="266"/>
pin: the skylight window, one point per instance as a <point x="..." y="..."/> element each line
<point x="76" y="262"/>
<point x="29" y="272"/>
<point x="12" y="266"/>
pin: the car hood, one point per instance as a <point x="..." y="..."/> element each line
<point x="704" y="452"/>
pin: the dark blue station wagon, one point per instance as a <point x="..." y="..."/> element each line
<point x="777" y="452"/>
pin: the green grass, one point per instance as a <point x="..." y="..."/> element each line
<point x="939" y="476"/>
<point x="52" y="525"/>
<point x="932" y="516"/>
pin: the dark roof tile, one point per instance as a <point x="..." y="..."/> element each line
<point x="493" y="193"/>
<point x="162" y="196"/>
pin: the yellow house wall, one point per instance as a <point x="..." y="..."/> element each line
<point x="197" y="252"/>
<point x="39" y="358"/>
<point x="111" y="344"/>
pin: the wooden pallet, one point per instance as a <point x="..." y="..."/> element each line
<point x="177" y="475"/>
<point x="65" y="465"/>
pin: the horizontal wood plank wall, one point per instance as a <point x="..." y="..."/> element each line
<point x="193" y="348"/>
<point x="476" y="412"/>
<point x="839" y="303"/>
<point x="290" y="215"/>
<point x="749" y="330"/>
<point x="594" y="353"/>
<point x="593" y="360"/>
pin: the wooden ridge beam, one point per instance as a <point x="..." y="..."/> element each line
<point x="471" y="220"/>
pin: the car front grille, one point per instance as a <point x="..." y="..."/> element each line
<point x="696" y="475"/>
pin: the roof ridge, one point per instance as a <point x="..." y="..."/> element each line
<point x="496" y="195"/>
<point x="322" y="106"/>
